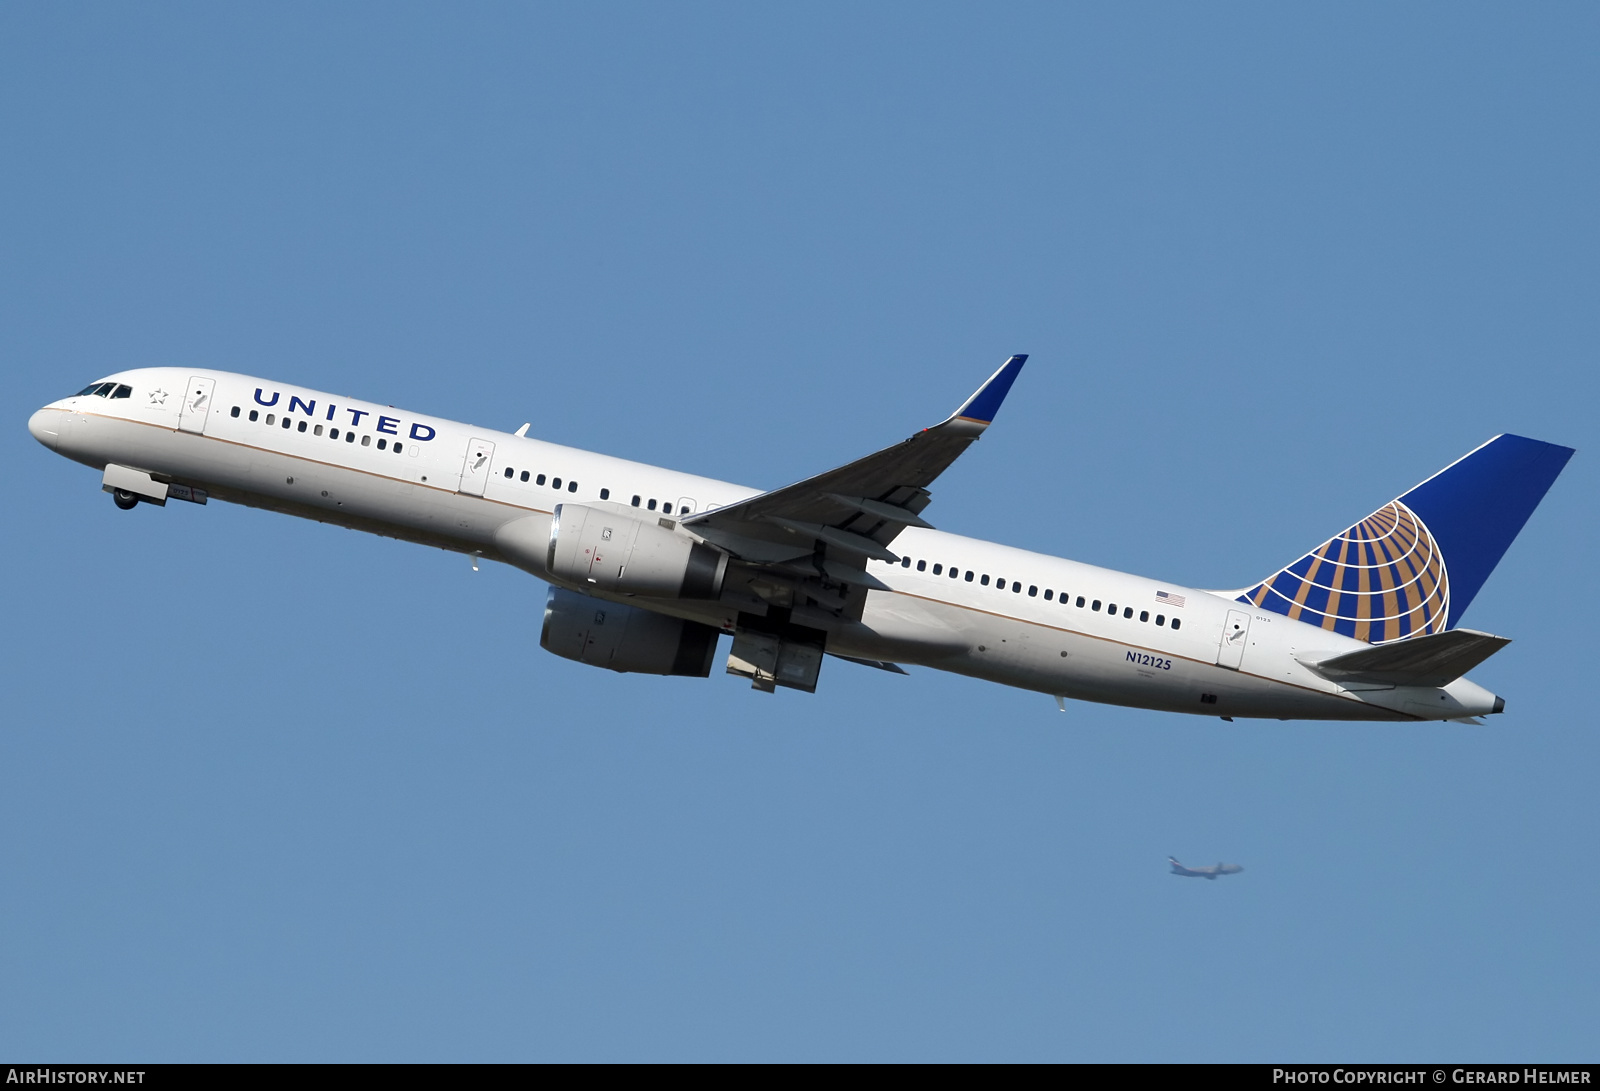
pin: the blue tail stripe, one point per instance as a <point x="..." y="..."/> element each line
<point x="1476" y="507"/>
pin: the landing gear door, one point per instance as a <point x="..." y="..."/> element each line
<point x="196" y="405"/>
<point x="1235" y="635"/>
<point x="475" y="470"/>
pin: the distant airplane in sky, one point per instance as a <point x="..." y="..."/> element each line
<point x="648" y="567"/>
<point x="1210" y="872"/>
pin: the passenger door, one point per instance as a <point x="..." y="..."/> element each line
<point x="1235" y="635"/>
<point x="196" y="405"/>
<point x="475" y="469"/>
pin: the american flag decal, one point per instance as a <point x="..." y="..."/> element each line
<point x="1169" y="599"/>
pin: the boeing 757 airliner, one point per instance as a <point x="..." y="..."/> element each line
<point x="647" y="567"/>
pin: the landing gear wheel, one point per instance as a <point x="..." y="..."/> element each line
<point x="124" y="499"/>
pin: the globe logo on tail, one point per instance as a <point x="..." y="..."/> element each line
<point x="1383" y="579"/>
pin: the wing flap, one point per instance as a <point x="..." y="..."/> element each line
<point x="1433" y="660"/>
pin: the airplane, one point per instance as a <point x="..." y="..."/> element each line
<point x="648" y="567"/>
<point x="1203" y="872"/>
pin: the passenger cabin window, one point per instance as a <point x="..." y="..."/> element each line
<point x="254" y="415"/>
<point x="938" y="570"/>
<point x="969" y="575"/>
<point x="333" y="433"/>
<point x="905" y="562"/>
<point x="271" y="419"/>
<point x="525" y="475"/>
<point x="396" y="446"/>
<point x="1080" y="603"/>
<point x="1144" y="615"/>
<point x="509" y="472"/>
<point x="383" y="444"/>
<point x="922" y="566"/>
<point x="1000" y="584"/>
<point x="349" y="437"/>
<point x="539" y="480"/>
<point x="1048" y="594"/>
<point x="636" y="500"/>
<point x="235" y="412"/>
<point x="1161" y="619"/>
<point x="302" y="427"/>
<point x="1033" y="592"/>
<point x="572" y="486"/>
<point x="366" y="441"/>
<point x="652" y="504"/>
<point x="555" y="482"/>
<point x="605" y="494"/>
<point x="985" y="579"/>
<point x="1127" y="612"/>
<point x="1016" y="587"/>
<point x="1095" y="605"/>
<point x="317" y="431"/>
<point x="954" y="572"/>
<point x="1176" y="624"/>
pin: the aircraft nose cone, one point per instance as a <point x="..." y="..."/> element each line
<point x="42" y="426"/>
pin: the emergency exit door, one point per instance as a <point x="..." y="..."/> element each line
<point x="196" y="405"/>
<point x="1235" y="635"/>
<point x="475" y="470"/>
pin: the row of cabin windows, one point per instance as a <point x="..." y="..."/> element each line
<point x="683" y="509"/>
<point x="511" y="473"/>
<point x="366" y="441"/>
<point x="316" y="430"/>
<point x="555" y="482"/>
<point x="605" y="494"/>
<point x="106" y="390"/>
<point x="1033" y="592"/>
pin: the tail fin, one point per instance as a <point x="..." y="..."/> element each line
<point x="1415" y="565"/>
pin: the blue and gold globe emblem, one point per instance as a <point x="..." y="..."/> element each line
<point x="1383" y="579"/>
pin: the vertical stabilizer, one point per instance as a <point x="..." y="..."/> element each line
<point x="1415" y="565"/>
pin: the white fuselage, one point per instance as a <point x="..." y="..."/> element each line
<point x="454" y="485"/>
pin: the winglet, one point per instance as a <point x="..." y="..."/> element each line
<point x="982" y="406"/>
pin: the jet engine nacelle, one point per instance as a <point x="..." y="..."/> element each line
<point x="625" y="638"/>
<point x="620" y="553"/>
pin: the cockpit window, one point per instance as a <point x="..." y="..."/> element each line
<point x="95" y="388"/>
<point x="105" y="389"/>
<point x="123" y="391"/>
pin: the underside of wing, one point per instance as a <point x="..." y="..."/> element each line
<point x="1433" y="660"/>
<point x="836" y="521"/>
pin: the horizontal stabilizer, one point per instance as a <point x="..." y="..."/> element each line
<point x="1435" y="660"/>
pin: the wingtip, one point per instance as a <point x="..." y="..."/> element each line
<point x="985" y="403"/>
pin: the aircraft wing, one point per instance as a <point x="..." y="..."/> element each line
<point x="843" y="517"/>
<point x="1436" y="659"/>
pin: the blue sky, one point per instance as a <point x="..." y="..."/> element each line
<point x="279" y="791"/>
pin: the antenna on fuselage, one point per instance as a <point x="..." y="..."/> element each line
<point x="522" y="433"/>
